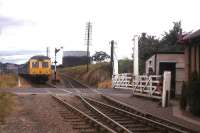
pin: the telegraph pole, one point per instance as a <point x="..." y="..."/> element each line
<point x="111" y="57"/>
<point x="47" y="51"/>
<point x="88" y="39"/>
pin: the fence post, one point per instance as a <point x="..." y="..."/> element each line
<point x="113" y="81"/>
<point x="19" y="82"/>
<point x="166" y="88"/>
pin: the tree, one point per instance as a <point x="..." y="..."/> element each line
<point x="100" y="56"/>
<point x="125" y="65"/>
<point x="170" y="38"/>
<point x="147" y="46"/>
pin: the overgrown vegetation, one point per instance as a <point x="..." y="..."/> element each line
<point x="97" y="73"/>
<point x="194" y="97"/>
<point x="148" y="44"/>
<point x="183" y="100"/>
<point x="105" y="84"/>
<point x="7" y="105"/>
<point x="190" y="97"/>
<point x="125" y="65"/>
<point x="8" y="80"/>
<point x="100" y="56"/>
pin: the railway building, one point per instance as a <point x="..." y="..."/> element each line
<point x="74" y="58"/>
<point x="8" y="68"/>
<point x="171" y="61"/>
<point x="192" y="53"/>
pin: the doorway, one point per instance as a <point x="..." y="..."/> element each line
<point x="169" y="66"/>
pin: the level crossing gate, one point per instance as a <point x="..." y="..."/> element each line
<point x="142" y="85"/>
<point x="153" y="86"/>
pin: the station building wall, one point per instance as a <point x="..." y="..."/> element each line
<point x="178" y="58"/>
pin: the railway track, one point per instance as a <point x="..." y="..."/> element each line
<point x="120" y="117"/>
<point x="115" y="119"/>
<point x="131" y="121"/>
<point x="80" y="121"/>
<point x="113" y="102"/>
<point x="72" y="83"/>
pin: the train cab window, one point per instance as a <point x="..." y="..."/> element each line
<point x="45" y="64"/>
<point x="35" y="64"/>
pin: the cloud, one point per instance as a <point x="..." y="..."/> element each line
<point x="20" y="52"/>
<point x="18" y="57"/>
<point x="7" y="22"/>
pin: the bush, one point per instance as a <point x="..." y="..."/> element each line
<point x="183" y="100"/>
<point x="194" y="97"/>
<point x="125" y="66"/>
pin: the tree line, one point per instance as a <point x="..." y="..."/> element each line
<point x="148" y="45"/>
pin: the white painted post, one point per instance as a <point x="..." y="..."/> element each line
<point x="135" y="61"/>
<point x="115" y="69"/>
<point x="135" y="56"/>
<point x="166" y="88"/>
<point x="113" y="81"/>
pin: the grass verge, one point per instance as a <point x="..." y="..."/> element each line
<point x="8" y="80"/>
<point x="7" y="105"/>
<point x="97" y="75"/>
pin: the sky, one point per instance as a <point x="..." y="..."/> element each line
<point x="32" y="25"/>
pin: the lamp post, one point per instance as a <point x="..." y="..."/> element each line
<point x="56" y="51"/>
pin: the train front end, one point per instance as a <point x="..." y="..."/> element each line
<point x="40" y="68"/>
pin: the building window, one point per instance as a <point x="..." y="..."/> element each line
<point x="150" y="62"/>
<point x="35" y="64"/>
<point x="45" y="64"/>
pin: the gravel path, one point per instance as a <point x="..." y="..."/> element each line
<point x="36" y="114"/>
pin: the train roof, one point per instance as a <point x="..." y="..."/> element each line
<point x="40" y="57"/>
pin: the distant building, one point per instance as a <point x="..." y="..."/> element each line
<point x="74" y="58"/>
<point x="192" y="53"/>
<point x="8" y="68"/>
<point x="168" y="61"/>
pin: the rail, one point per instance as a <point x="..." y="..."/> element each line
<point x="118" y="127"/>
<point x="145" y="114"/>
<point x="99" y="126"/>
<point x="72" y="83"/>
<point x="142" y="119"/>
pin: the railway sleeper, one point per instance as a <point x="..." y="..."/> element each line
<point x="87" y="131"/>
<point x="70" y="116"/>
<point x="134" y="125"/>
<point x="78" y="122"/>
<point x="80" y="125"/>
<point x="75" y="126"/>
<point x="143" y="130"/>
<point x="128" y="122"/>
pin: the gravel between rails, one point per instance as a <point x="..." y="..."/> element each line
<point x="36" y="114"/>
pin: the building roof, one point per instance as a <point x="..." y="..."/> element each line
<point x="193" y="35"/>
<point x="160" y="52"/>
<point x="74" y="53"/>
<point x="166" y="53"/>
<point x="40" y="57"/>
<point x="190" y="37"/>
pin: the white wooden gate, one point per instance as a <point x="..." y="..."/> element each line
<point x="142" y="85"/>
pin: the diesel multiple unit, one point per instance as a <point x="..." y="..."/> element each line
<point x="38" y="68"/>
